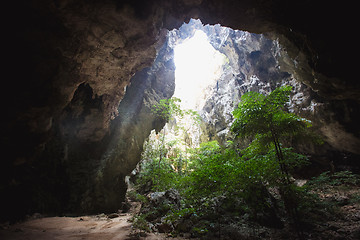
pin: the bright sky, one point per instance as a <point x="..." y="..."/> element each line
<point x="198" y="65"/>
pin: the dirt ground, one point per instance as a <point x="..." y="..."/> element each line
<point x="344" y="224"/>
<point x="115" y="227"/>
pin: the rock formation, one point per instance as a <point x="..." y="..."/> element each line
<point x="77" y="106"/>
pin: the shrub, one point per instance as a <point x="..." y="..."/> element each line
<point x="327" y="178"/>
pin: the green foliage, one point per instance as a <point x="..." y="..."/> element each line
<point x="200" y="231"/>
<point x="161" y="176"/>
<point x="164" y="160"/>
<point x="213" y="176"/>
<point x="220" y="171"/>
<point x="167" y="108"/>
<point x="327" y="179"/>
<point x="175" y="215"/>
<point x="134" y="196"/>
<point x="355" y="198"/>
<point x="265" y="116"/>
<point x="265" y="119"/>
<point x="208" y="170"/>
<point x="321" y="194"/>
<point x="139" y="222"/>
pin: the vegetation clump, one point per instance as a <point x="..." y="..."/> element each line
<point x="221" y="185"/>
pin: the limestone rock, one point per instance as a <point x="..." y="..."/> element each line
<point x="69" y="134"/>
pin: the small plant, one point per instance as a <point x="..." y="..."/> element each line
<point x="327" y="178"/>
<point x="355" y="198"/>
<point x="200" y="231"/>
<point x="139" y="222"/>
<point x="179" y="214"/>
<point x="134" y="196"/>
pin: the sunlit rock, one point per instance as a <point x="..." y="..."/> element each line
<point x="68" y="137"/>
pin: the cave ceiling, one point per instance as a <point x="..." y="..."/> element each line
<point x="71" y="63"/>
<point x="104" y="43"/>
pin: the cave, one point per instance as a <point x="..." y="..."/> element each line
<point x="86" y="73"/>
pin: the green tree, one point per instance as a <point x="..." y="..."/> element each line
<point x="166" y="110"/>
<point x="163" y="160"/>
<point x="265" y="118"/>
<point x="169" y="109"/>
<point x="266" y="121"/>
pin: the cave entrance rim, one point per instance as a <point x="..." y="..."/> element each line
<point x="198" y="60"/>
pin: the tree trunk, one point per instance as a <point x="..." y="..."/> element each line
<point x="280" y="157"/>
<point x="162" y="147"/>
<point x="285" y="191"/>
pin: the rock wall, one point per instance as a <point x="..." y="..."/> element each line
<point x="129" y="130"/>
<point x="69" y="65"/>
<point x="92" y="143"/>
<point x="256" y="63"/>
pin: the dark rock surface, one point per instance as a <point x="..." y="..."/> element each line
<point x="75" y="116"/>
<point x="255" y="63"/>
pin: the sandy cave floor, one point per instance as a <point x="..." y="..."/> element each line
<point x="344" y="225"/>
<point x="76" y="228"/>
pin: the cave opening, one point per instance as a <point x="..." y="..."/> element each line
<point x="197" y="66"/>
<point x="195" y="167"/>
<point x="80" y="119"/>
